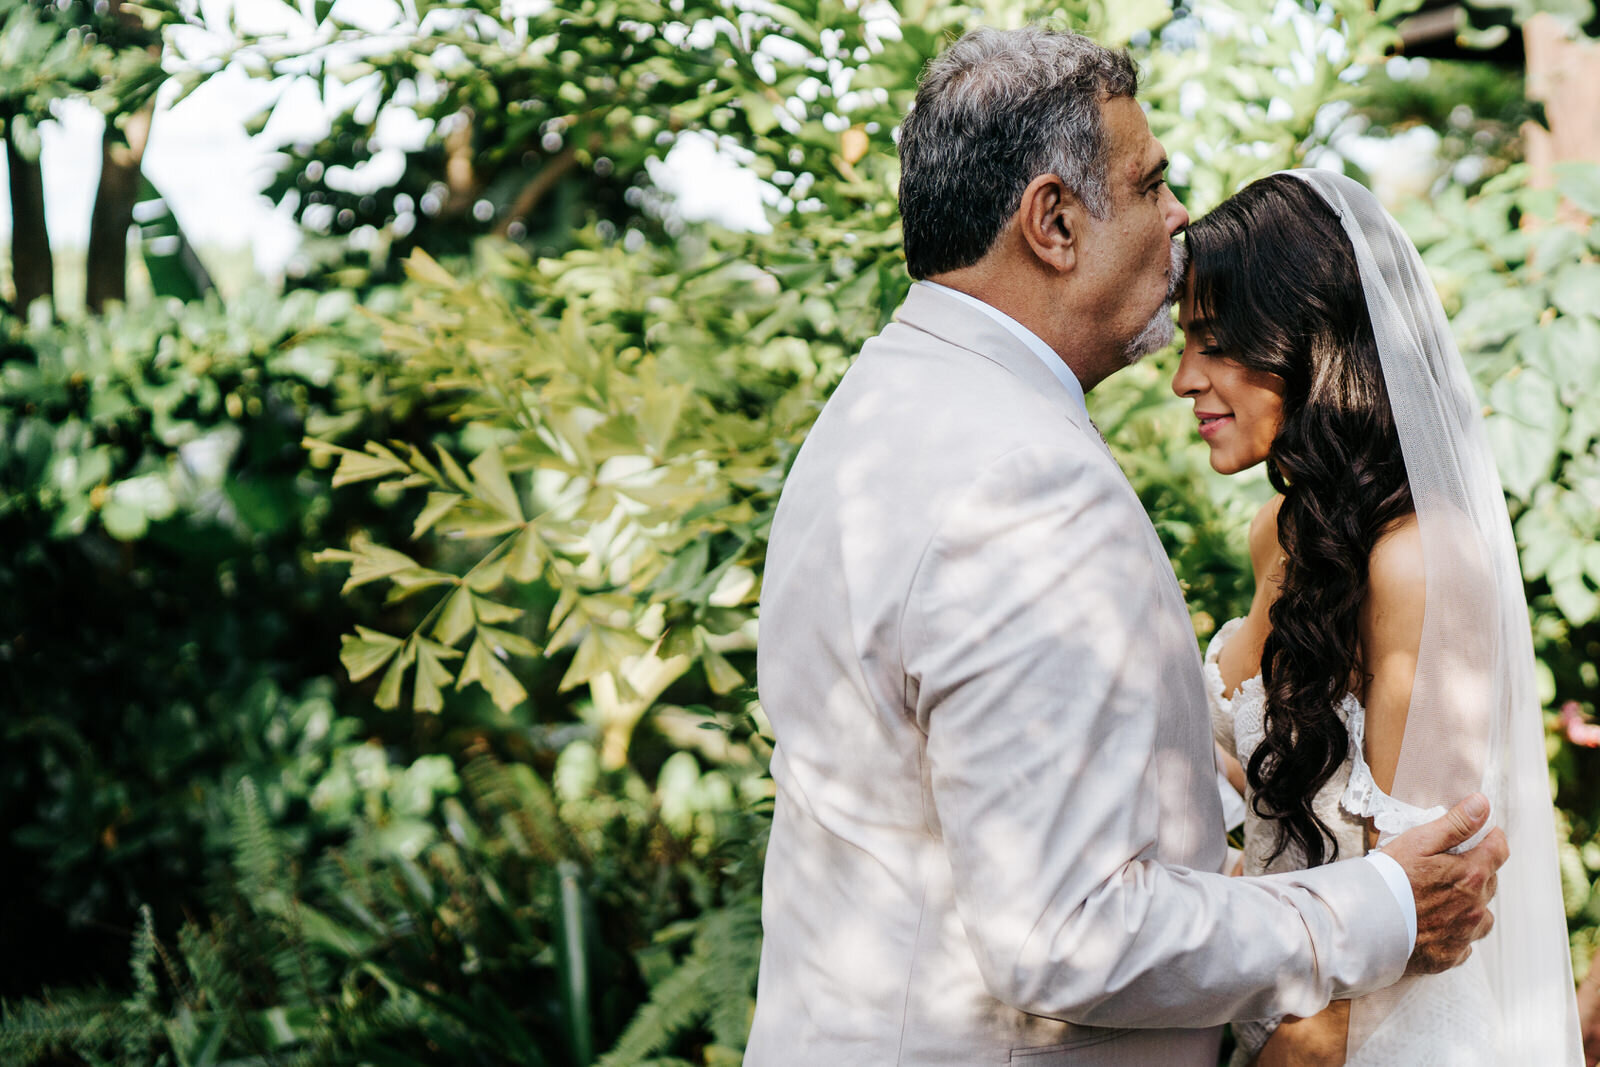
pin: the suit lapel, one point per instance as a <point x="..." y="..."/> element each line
<point x="954" y="322"/>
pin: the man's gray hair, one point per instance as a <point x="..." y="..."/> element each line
<point x="997" y="109"/>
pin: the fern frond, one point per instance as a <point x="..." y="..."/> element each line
<point x="142" y="963"/>
<point x="676" y="1003"/>
<point x="36" y="1031"/>
<point x="522" y="804"/>
<point x="730" y="943"/>
<point x="255" y="854"/>
<point x="268" y="885"/>
<point x="139" y="1018"/>
<point x="215" y="984"/>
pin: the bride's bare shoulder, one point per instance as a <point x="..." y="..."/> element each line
<point x="1394" y="570"/>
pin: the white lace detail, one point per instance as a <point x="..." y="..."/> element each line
<point x="1242" y="728"/>
<point x="1363" y="797"/>
<point x="1221" y="706"/>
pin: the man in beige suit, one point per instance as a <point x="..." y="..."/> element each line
<point x="997" y="823"/>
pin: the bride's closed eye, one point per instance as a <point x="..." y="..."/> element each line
<point x="1207" y="344"/>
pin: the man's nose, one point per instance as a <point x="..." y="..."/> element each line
<point x="1177" y="217"/>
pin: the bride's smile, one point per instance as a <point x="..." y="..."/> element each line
<point x="1239" y="408"/>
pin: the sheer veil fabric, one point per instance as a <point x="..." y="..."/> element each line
<point x="1475" y="721"/>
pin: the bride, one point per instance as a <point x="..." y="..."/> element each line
<point x="1385" y="666"/>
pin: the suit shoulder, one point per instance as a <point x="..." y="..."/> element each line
<point x="1056" y="484"/>
<point x="936" y="394"/>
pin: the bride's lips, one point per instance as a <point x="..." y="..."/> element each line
<point x="1211" y="424"/>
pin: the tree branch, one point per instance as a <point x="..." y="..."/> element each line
<point x="538" y="188"/>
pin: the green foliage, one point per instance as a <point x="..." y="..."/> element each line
<point x="155" y="508"/>
<point x="713" y="984"/>
<point x="1522" y="291"/>
<point x="502" y="941"/>
<point x="1490" y="18"/>
<point x="1477" y="109"/>
<point x="541" y="121"/>
<point x="109" y="55"/>
<point x="73" y="48"/>
<point x="600" y="474"/>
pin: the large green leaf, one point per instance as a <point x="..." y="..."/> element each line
<point x="1525" y="426"/>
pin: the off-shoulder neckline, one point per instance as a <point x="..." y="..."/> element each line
<point x="1215" y="686"/>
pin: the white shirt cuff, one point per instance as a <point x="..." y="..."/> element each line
<point x="1395" y="876"/>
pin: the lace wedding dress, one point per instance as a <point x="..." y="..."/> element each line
<point x="1447" y="1019"/>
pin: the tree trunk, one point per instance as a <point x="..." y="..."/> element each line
<point x="1564" y="75"/>
<point x="121" y="183"/>
<point x="32" y="266"/>
<point x="121" y="153"/>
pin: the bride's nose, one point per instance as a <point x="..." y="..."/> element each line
<point x="1190" y="379"/>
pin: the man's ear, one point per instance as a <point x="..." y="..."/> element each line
<point x="1050" y="219"/>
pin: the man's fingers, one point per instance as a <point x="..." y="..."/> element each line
<point x="1452" y="892"/>
<point x="1464" y="820"/>
<point x="1453" y="828"/>
<point x="1496" y="847"/>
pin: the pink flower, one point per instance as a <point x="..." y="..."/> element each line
<point x="1578" y="731"/>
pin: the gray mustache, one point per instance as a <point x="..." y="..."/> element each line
<point x="1175" y="271"/>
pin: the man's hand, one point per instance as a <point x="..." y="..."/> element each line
<point x="1452" y="892"/>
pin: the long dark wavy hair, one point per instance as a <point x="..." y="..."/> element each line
<point x="1275" y="278"/>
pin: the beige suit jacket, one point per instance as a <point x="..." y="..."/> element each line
<point x="997" y="817"/>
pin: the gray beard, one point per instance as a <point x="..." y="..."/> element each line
<point x="1160" y="330"/>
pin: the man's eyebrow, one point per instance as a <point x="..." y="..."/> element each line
<point x="1156" y="171"/>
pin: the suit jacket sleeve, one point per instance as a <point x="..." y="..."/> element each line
<point x="1026" y="643"/>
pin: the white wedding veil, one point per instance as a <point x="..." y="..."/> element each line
<point x="1475" y="721"/>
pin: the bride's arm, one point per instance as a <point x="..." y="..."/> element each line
<point x="1315" y="1042"/>
<point x="1390" y="633"/>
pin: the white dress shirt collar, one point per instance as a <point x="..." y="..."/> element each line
<point x="1036" y="345"/>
